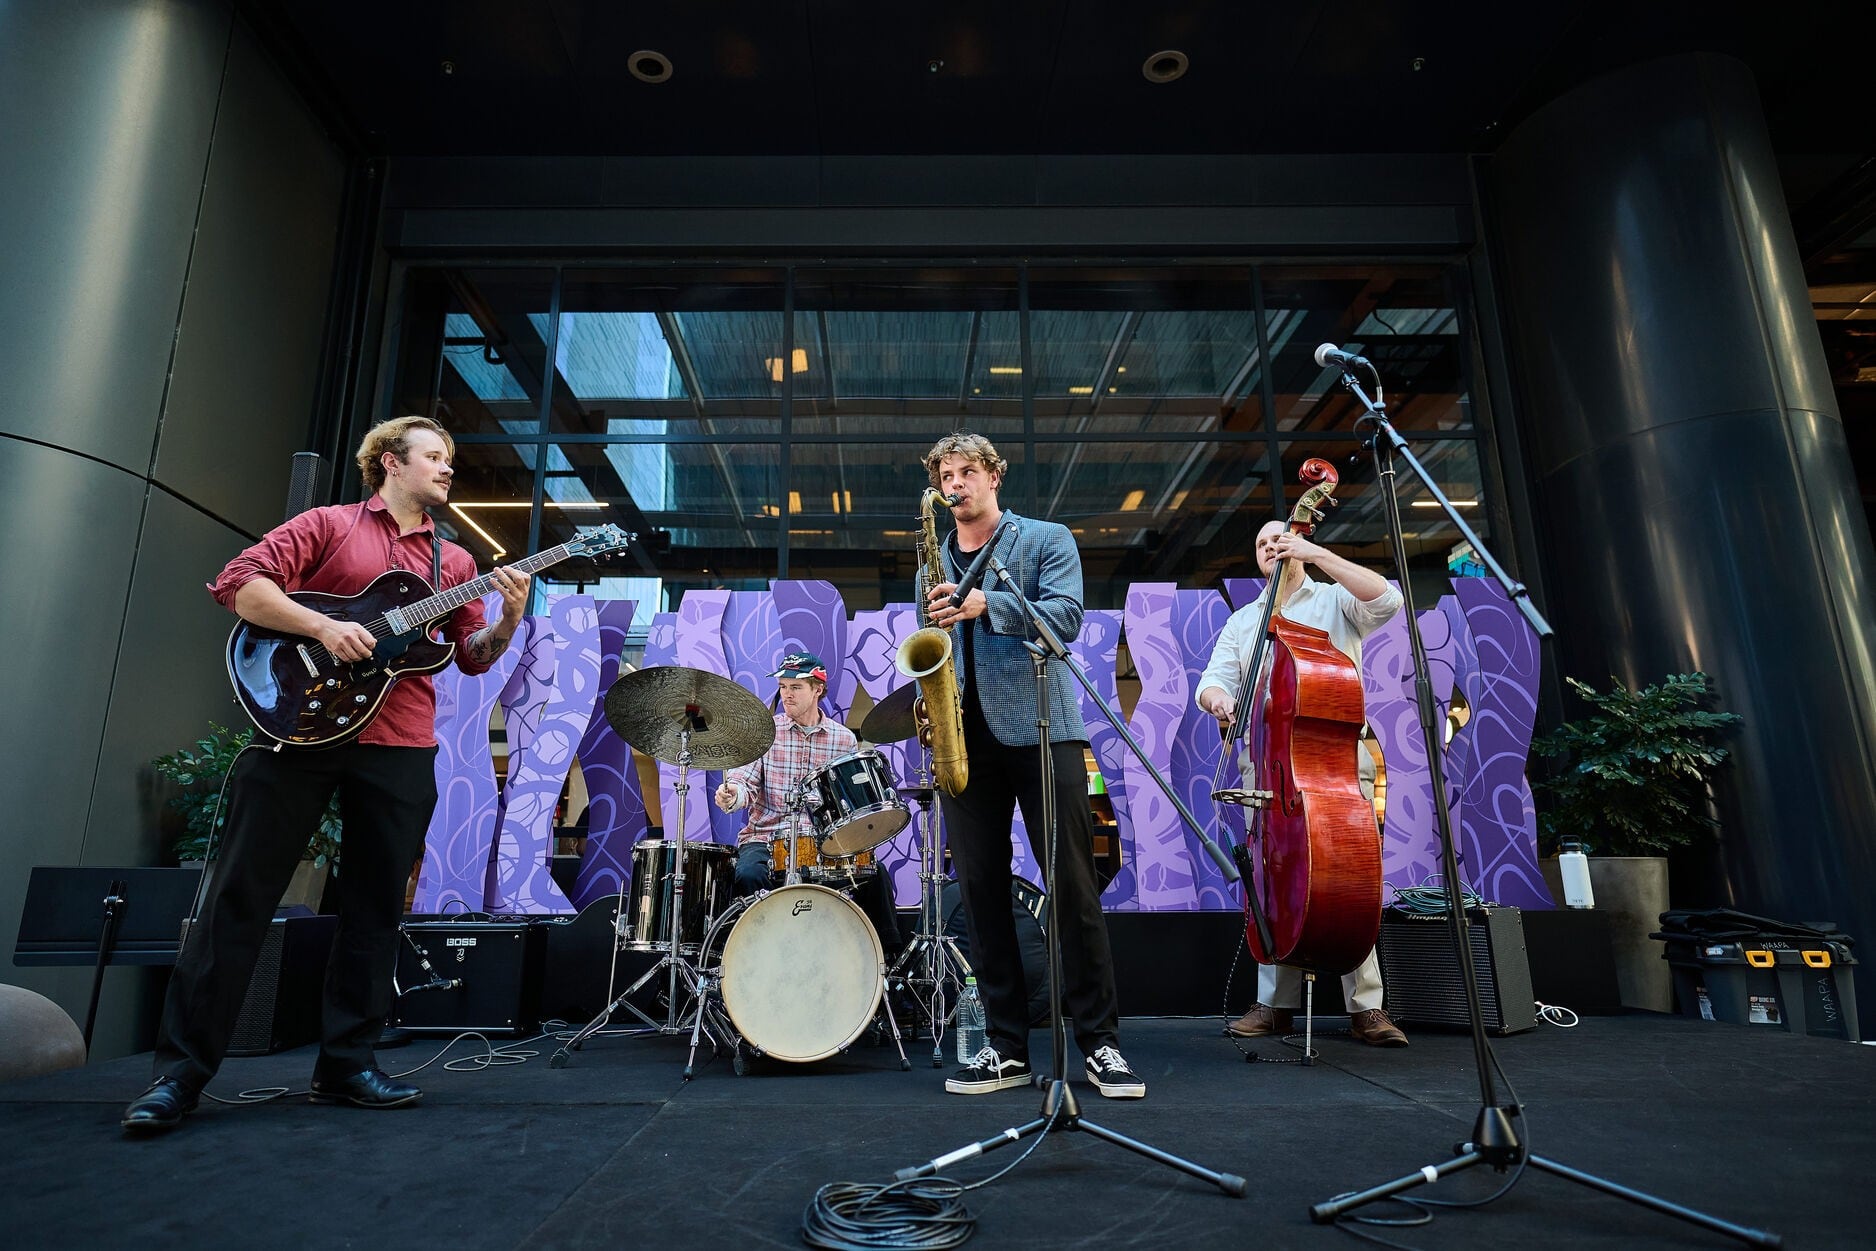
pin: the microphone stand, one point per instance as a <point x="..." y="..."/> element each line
<point x="1059" y="1106"/>
<point x="1494" y="1141"/>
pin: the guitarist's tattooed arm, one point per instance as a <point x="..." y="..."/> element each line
<point x="485" y="645"/>
<point x="490" y="641"/>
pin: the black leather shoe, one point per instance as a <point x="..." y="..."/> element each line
<point x="160" y="1107"/>
<point x="366" y="1089"/>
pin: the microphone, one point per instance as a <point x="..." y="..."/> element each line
<point x="1328" y="354"/>
<point x="975" y="574"/>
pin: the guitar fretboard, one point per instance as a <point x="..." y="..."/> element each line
<point x="445" y="602"/>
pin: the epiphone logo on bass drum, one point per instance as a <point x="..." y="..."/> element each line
<point x="801" y="906"/>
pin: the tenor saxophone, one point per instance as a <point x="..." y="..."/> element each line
<point x="927" y="658"/>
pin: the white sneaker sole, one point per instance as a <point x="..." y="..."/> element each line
<point x="955" y="1087"/>
<point x="1134" y="1090"/>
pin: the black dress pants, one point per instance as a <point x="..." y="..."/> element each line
<point x="977" y="830"/>
<point x="275" y="799"/>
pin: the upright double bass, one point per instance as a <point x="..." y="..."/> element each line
<point x="1313" y="858"/>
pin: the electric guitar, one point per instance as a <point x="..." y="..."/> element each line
<point x="295" y="691"/>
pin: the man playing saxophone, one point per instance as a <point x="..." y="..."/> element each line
<point x="1000" y="738"/>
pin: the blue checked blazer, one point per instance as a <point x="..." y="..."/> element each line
<point x="1042" y="557"/>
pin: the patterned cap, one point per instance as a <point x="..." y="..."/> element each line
<point x="801" y="665"/>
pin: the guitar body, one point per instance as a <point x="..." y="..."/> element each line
<point x="297" y="694"/>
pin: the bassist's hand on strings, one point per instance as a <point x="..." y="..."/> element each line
<point x="1224" y="707"/>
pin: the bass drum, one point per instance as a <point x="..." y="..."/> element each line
<point x="801" y="973"/>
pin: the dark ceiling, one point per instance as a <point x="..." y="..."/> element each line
<point x="443" y="78"/>
<point x="511" y="77"/>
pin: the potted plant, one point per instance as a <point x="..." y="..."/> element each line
<point x="1636" y="781"/>
<point x="200" y="774"/>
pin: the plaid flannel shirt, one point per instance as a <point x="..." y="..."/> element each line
<point x="763" y="785"/>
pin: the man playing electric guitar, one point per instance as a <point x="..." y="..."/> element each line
<point x="384" y="777"/>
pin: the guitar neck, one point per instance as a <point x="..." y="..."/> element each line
<point x="443" y="603"/>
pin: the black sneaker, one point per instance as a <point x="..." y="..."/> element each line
<point x="1111" y="1076"/>
<point x="988" y="1072"/>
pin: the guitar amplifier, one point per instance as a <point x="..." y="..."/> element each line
<point x="286" y="992"/>
<point x="1422" y="974"/>
<point x="490" y="973"/>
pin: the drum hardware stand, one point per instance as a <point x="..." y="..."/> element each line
<point x="672" y="959"/>
<point x="1060" y="1109"/>
<point x="1494" y="1141"/>
<point x="941" y="966"/>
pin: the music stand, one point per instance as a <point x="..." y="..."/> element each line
<point x="75" y="916"/>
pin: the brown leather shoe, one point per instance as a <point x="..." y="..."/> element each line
<point x="1262" y="1019"/>
<point x="1374" y="1028"/>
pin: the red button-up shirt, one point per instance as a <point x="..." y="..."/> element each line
<point x="338" y="551"/>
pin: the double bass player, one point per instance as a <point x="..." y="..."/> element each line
<point x="1353" y="604"/>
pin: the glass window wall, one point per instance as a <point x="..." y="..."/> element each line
<point x="760" y="422"/>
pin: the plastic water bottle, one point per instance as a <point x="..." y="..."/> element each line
<point x="971" y="1023"/>
<point x="1573" y="865"/>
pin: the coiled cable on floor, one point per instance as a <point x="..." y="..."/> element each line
<point x="924" y="1213"/>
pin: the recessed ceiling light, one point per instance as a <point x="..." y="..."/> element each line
<point x="649" y="67"/>
<point x="1164" y="67"/>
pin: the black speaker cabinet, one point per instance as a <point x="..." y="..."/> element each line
<point x="1422" y="970"/>
<point x="493" y="969"/>
<point x="282" y="1007"/>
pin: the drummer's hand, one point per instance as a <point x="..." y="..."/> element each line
<point x="726" y="797"/>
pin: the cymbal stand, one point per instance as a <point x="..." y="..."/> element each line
<point x="673" y="961"/>
<point x="940" y="966"/>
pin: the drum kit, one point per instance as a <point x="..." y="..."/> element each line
<point x="796" y="973"/>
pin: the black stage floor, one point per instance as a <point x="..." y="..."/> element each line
<point x="1748" y="1123"/>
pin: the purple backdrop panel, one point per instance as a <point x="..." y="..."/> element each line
<point x="522" y="875"/>
<point x="751" y="644"/>
<point x="1458" y="760"/>
<point x="699" y="646"/>
<point x="1242" y="591"/>
<point x="1198" y="618"/>
<point x="873" y="640"/>
<point x="661" y="649"/>
<point x="524" y="710"/>
<point x="1501" y="687"/>
<point x="813" y="618"/>
<point x="1097" y="650"/>
<point x="1162" y="869"/>
<point x="454" y="876"/>
<point x="1409" y="847"/>
<point x="615" y="812"/>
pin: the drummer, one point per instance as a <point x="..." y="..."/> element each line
<point x="806" y="742"/>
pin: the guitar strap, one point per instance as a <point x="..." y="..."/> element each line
<point x="436" y="559"/>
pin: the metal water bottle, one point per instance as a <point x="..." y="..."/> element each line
<point x="1573" y="865"/>
<point x="971" y="1023"/>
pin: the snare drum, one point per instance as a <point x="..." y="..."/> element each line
<point x="815" y="864"/>
<point x="801" y="972"/>
<point x="709" y="885"/>
<point x="859" y="807"/>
